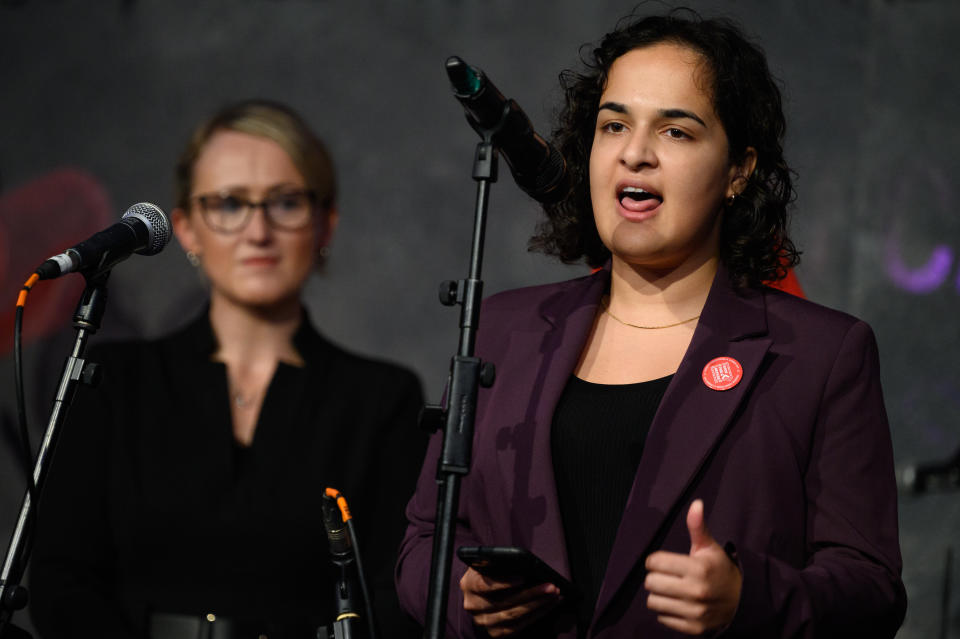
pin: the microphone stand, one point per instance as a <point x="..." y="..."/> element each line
<point x="467" y="374"/>
<point x="347" y="624"/>
<point x="86" y="321"/>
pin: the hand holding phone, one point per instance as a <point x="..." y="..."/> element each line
<point x="507" y="562"/>
<point x="508" y="589"/>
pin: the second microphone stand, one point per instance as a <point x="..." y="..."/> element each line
<point x="76" y="370"/>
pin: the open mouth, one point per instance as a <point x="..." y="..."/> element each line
<point x="629" y="194"/>
<point x="637" y="199"/>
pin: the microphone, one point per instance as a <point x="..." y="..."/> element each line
<point x="143" y="229"/>
<point x="537" y="167"/>
<point x="345" y="554"/>
<point x="338" y="537"/>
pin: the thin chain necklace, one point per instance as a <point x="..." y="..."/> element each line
<point x="605" y="301"/>
<point x="242" y="400"/>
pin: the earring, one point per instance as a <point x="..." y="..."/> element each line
<point x="324" y="251"/>
<point x="730" y="200"/>
<point x="193" y="258"/>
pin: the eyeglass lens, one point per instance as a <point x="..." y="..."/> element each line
<point x="290" y="210"/>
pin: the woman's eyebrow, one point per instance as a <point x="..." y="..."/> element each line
<point x="618" y="107"/>
<point x="681" y="113"/>
<point x="614" y="106"/>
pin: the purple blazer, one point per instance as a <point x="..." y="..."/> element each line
<point x="794" y="465"/>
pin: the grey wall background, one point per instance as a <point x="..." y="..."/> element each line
<point x="114" y="87"/>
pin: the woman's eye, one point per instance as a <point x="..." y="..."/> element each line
<point x="613" y="127"/>
<point x="231" y="204"/>
<point x="676" y="133"/>
<point x="291" y="202"/>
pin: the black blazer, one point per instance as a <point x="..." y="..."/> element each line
<point x="151" y="506"/>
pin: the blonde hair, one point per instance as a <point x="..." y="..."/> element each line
<point x="276" y="122"/>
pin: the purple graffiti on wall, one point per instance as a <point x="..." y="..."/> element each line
<point x="935" y="271"/>
<point x="923" y="279"/>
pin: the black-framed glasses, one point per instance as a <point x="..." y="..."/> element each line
<point x="227" y="212"/>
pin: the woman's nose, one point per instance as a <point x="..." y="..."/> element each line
<point x="259" y="228"/>
<point x="638" y="152"/>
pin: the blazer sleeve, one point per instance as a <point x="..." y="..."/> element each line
<point x="416" y="552"/>
<point x="72" y="588"/>
<point x="850" y="585"/>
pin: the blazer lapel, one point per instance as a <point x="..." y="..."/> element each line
<point x="547" y="357"/>
<point x="689" y="424"/>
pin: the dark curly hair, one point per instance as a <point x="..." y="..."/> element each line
<point x="754" y="245"/>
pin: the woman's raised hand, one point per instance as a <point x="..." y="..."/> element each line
<point x="698" y="592"/>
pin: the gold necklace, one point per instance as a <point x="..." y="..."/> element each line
<point x="605" y="301"/>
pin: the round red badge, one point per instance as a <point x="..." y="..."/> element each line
<point x="722" y="373"/>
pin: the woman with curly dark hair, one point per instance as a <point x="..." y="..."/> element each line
<point x="695" y="451"/>
<point x="754" y="245"/>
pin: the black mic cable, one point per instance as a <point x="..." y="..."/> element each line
<point x="27" y="449"/>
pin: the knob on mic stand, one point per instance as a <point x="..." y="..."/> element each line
<point x="931" y="477"/>
<point x="344" y="552"/>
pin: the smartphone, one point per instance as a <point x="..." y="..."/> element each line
<point x="511" y="561"/>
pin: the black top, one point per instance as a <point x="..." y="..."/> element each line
<point x="597" y="439"/>
<point x="151" y="506"/>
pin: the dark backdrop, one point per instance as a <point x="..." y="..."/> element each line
<point x="113" y="88"/>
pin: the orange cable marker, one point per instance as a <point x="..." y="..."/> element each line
<point x="341" y="502"/>
<point x="22" y="298"/>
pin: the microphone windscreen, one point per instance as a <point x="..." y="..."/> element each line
<point x="157" y="223"/>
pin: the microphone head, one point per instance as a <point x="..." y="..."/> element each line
<point x="157" y="223"/>
<point x="466" y="80"/>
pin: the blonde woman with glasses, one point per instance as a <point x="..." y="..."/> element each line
<point x="192" y="478"/>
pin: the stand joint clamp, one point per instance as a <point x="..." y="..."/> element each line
<point x="451" y="292"/>
<point x="432" y="417"/>
<point x="16" y="597"/>
<point x="91" y="375"/>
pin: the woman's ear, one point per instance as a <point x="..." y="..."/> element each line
<point x="183" y="229"/>
<point x="327" y="228"/>
<point x="740" y="173"/>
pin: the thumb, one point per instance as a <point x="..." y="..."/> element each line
<point x="700" y="537"/>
